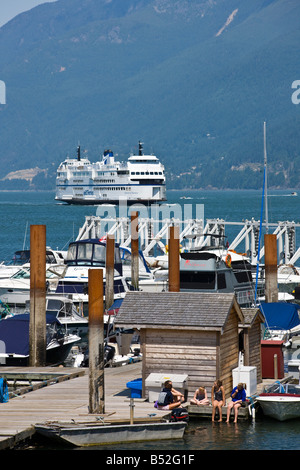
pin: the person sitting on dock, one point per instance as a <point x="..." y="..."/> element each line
<point x="218" y="399"/>
<point x="238" y="396"/>
<point x="172" y="398"/>
<point x="200" y="397"/>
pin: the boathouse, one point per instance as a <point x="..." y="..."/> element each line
<point x="250" y="339"/>
<point x="191" y="333"/>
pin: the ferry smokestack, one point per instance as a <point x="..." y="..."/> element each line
<point x="78" y="153"/>
<point x="140" y="148"/>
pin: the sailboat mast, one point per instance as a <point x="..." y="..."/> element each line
<point x="266" y="183"/>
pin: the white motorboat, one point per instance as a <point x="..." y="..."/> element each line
<point x="281" y="401"/>
<point x="21" y="259"/>
<point x="140" y="179"/>
<point x="82" y="256"/>
<point x="15" y="290"/>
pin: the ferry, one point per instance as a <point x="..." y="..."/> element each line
<point x="140" y="179"/>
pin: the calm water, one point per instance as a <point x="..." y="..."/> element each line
<point x="19" y="210"/>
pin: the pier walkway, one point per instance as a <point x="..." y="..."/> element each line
<point x="62" y="394"/>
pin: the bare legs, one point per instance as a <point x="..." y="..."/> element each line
<point x="236" y="407"/>
<point x="217" y="404"/>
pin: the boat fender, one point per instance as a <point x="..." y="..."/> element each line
<point x="228" y="261"/>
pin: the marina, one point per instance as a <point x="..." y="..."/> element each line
<point x="118" y="401"/>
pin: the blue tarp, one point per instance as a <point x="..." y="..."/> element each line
<point x="280" y="315"/>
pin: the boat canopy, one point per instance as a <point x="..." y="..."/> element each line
<point x="280" y="315"/>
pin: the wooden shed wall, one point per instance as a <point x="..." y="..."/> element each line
<point x="181" y="352"/>
<point x="229" y="351"/>
<point x="255" y="349"/>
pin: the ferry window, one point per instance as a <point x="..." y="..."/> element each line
<point x="133" y="172"/>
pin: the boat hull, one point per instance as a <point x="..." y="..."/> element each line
<point x="93" y="202"/>
<point x="96" y="435"/>
<point x="281" y="407"/>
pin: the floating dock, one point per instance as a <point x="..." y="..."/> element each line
<point x="62" y="394"/>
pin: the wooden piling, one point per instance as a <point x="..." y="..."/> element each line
<point x="37" y="322"/>
<point x="134" y="251"/>
<point x="173" y="256"/>
<point x="271" y="286"/>
<point x="109" y="275"/>
<point x="96" y="341"/>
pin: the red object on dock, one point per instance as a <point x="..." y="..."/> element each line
<point x="270" y="348"/>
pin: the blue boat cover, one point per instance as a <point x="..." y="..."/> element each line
<point x="14" y="333"/>
<point x="280" y="315"/>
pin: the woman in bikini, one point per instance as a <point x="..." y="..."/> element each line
<point x="218" y="399"/>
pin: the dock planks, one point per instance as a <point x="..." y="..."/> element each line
<point x="66" y="400"/>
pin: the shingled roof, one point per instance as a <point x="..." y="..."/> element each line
<point x="250" y="315"/>
<point x="197" y="310"/>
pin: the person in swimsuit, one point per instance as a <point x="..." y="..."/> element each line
<point x="173" y="398"/>
<point x="218" y="399"/>
<point x="200" y="397"/>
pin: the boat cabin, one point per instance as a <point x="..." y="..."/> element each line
<point x="207" y="272"/>
<point x="91" y="252"/>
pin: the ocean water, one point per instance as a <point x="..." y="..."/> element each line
<point x="19" y="210"/>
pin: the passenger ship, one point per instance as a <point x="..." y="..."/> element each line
<point x="140" y="179"/>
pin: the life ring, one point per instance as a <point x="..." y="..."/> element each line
<point x="228" y="261"/>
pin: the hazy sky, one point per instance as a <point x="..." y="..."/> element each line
<point x="11" y="8"/>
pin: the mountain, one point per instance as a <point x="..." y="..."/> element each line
<point x="193" y="79"/>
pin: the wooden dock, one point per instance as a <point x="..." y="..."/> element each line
<point x="62" y="394"/>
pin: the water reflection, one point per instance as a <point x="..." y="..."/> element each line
<point x="262" y="434"/>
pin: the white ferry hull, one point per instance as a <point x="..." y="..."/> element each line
<point x="139" y="180"/>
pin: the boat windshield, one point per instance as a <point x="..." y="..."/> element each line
<point x="86" y="254"/>
<point x="22" y="274"/>
<point x="89" y="254"/>
<point x="20" y="258"/>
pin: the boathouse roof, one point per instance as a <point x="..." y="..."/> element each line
<point x="196" y="310"/>
<point x="250" y="315"/>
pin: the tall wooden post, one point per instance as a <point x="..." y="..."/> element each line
<point x="110" y="266"/>
<point x="37" y="322"/>
<point x="271" y="287"/>
<point x="134" y="250"/>
<point x="173" y="257"/>
<point x="96" y="341"/>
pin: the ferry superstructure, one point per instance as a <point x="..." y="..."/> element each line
<point x="140" y="179"/>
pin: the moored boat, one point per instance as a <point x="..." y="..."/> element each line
<point x="281" y="401"/>
<point x="92" y="434"/>
<point x="14" y="341"/>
